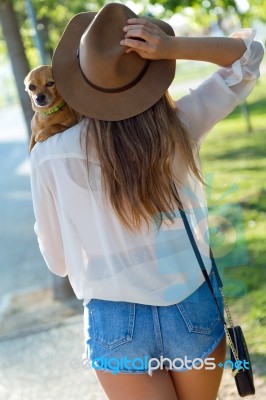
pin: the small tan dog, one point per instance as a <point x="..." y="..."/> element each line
<point x="52" y="114"/>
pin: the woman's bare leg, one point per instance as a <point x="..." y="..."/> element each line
<point x="159" y="386"/>
<point x="201" y="384"/>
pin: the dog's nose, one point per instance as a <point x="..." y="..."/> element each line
<point x="40" y="98"/>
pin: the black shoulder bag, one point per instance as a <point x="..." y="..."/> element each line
<point x="238" y="348"/>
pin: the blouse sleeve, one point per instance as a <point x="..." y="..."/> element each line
<point x="47" y="227"/>
<point x="217" y="96"/>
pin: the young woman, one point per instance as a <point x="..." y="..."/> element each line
<point x="107" y="194"/>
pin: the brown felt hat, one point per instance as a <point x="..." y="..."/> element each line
<point x="97" y="78"/>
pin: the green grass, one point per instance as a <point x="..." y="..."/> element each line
<point x="234" y="161"/>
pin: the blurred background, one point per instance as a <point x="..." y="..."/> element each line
<point x="41" y="327"/>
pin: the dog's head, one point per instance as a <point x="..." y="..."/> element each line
<point x="40" y="85"/>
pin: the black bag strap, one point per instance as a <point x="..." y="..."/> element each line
<point x="201" y="263"/>
<point x="234" y="347"/>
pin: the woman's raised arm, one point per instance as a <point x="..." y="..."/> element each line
<point x="158" y="45"/>
<point x="239" y="57"/>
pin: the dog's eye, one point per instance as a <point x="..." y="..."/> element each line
<point x="32" y="87"/>
<point x="49" y="84"/>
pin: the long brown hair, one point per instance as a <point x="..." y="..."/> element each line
<point x="136" y="157"/>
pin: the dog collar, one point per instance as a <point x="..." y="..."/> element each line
<point x="53" y="110"/>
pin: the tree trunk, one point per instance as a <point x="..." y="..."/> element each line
<point x="17" y="56"/>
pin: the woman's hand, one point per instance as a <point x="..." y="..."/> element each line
<point x="154" y="43"/>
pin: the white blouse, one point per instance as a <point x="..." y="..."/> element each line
<point x="80" y="235"/>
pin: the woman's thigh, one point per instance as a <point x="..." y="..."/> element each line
<point x="201" y="384"/>
<point x="159" y="386"/>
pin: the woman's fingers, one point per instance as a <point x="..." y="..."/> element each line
<point x="140" y="21"/>
<point x="135" y="44"/>
<point x="144" y="37"/>
<point x="145" y="31"/>
<point x="139" y="32"/>
<point x="142" y="48"/>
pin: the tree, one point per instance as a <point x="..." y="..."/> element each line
<point x="17" y="55"/>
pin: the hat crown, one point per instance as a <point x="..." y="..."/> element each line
<point x="105" y="82"/>
<point x="103" y="61"/>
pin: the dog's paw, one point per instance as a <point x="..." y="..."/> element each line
<point x="43" y="135"/>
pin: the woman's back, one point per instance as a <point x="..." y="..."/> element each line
<point x="100" y="255"/>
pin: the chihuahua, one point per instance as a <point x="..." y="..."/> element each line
<point x="52" y="114"/>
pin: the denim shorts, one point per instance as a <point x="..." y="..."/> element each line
<point x="123" y="337"/>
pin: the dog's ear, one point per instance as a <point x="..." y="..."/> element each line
<point x="27" y="78"/>
<point x="26" y="81"/>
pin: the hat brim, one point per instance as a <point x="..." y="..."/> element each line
<point x="106" y="106"/>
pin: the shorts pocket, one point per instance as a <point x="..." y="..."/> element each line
<point x="112" y="322"/>
<point x="199" y="311"/>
